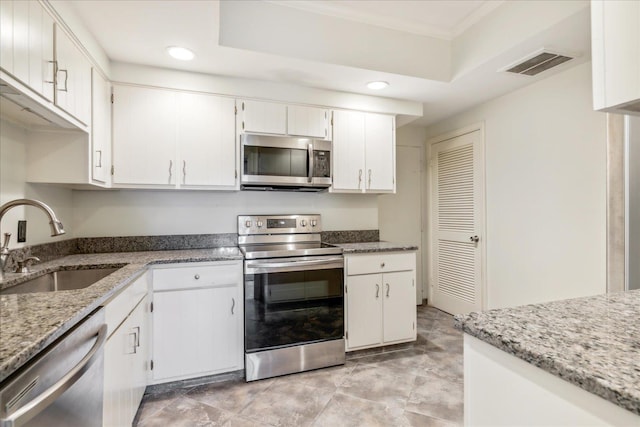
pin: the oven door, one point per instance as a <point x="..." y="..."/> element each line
<point x="292" y="301"/>
<point x="285" y="161"/>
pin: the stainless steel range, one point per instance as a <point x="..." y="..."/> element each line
<point x="293" y="293"/>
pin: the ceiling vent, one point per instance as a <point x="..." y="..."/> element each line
<point x="536" y="63"/>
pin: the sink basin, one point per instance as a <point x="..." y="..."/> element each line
<point x="65" y="280"/>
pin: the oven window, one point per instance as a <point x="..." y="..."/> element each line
<point x="283" y="309"/>
<point x="269" y="161"/>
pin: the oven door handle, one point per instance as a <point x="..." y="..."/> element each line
<point x="311" y="160"/>
<point x="265" y="267"/>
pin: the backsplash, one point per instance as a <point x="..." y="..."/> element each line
<point x="93" y="245"/>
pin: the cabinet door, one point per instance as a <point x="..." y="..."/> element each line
<point x="195" y="332"/>
<point x="264" y="117"/>
<point x="100" y="128"/>
<point x="348" y="150"/>
<point x="364" y="310"/>
<point x="380" y="152"/>
<point x="399" y="306"/>
<point x="144" y="136"/>
<point x="307" y="121"/>
<point x="6" y="35"/>
<point x="138" y="327"/>
<point x="41" y="58"/>
<point x="206" y="140"/>
<point x="73" y="78"/>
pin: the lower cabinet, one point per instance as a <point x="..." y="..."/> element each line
<point x="380" y="302"/>
<point x="126" y="357"/>
<point x="197" y="320"/>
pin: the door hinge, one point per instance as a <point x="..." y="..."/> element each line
<point x="346" y="334"/>
<point x="243" y="106"/>
<point x="112" y="98"/>
<point x="236" y="173"/>
<point x="414" y="325"/>
<point x="346" y="289"/>
<point x="413" y="283"/>
<point x="112" y="170"/>
<point x="235" y="110"/>
<point x="151" y="307"/>
<point x="242" y="125"/>
<point x="152" y="364"/>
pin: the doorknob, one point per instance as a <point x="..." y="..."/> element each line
<point x="474" y="239"/>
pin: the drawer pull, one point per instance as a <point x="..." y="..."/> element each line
<point x="197" y="277"/>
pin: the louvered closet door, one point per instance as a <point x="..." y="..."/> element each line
<point x="456" y="212"/>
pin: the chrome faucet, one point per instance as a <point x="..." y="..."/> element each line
<point x="56" y="226"/>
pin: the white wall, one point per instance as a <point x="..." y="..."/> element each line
<point x="545" y="190"/>
<point x="141" y="212"/>
<point x="13" y="149"/>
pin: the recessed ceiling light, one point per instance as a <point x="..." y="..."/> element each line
<point x="377" y="85"/>
<point x="180" y="53"/>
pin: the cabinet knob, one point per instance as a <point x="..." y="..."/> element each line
<point x="197" y="277"/>
<point x="382" y="265"/>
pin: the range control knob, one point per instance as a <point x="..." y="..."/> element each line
<point x="259" y="224"/>
<point x="314" y="222"/>
<point x="303" y="222"/>
<point x="247" y="223"/>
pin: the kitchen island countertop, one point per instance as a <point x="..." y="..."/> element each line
<point x="30" y="322"/>
<point x="592" y="342"/>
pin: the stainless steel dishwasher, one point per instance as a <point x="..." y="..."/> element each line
<point x="64" y="385"/>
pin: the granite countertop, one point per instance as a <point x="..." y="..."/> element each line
<point x="370" y="247"/>
<point x="592" y="342"/>
<point x="30" y="322"/>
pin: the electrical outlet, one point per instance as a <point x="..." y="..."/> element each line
<point x="22" y="231"/>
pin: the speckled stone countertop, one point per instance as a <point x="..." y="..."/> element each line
<point x="30" y="322"/>
<point x="592" y="342"/>
<point x="370" y="247"/>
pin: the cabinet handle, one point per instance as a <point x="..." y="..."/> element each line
<point x="359" y="178"/>
<point x="66" y="76"/>
<point x="369" y="179"/>
<point x="134" y="347"/>
<point x="233" y="305"/>
<point x="99" y="152"/>
<point x="387" y="290"/>
<point x="184" y="171"/>
<point x="53" y="72"/>
<point x="377" y="290"/>
<point x="170" y="172"/>
<point x="197" y="277"/>
<point x="137" y="328"/>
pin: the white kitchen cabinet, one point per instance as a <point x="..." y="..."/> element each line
<point x="263" y="117"/>
<point x="363" y="152"/>
<point x="73" y="78"/>
<point x="615" y="44"/>
<point x="206" y="140"/>
<point x="126" y="357"/>
<point x="197" y="320"/>
<point x="173" y="139"/>
<point x="26" y="45"/>
<point x="100" y="128"/>
<point x="308" y="121"/>
<point x="144" y="134"/>
<point x="380" y="300"/>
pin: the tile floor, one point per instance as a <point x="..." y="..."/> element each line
<point x="417" y="384"/>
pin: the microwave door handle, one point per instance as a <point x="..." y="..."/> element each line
<point x="311" y="165"/>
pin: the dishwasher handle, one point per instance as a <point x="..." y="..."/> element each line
<point x="42" y="401"/>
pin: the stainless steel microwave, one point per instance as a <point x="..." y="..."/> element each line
<point x="285" y="163"/>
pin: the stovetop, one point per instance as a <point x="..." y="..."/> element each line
<point x="281" y="250"/>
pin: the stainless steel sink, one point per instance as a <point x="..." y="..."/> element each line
<point x="64" y="280"/>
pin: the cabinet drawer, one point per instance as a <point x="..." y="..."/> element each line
<point x="118" y="308"/>
<point x="196" y="276"/>
<point x="380" y="263"/>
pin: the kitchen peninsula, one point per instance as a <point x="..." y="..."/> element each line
<point x="566" y="362"/>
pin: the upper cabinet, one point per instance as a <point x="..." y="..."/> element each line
<point x="363" y="152"/>
<point x="280" y="119"/>
<point x="100" y="128"/>
<point x="44" y="66"/>
<point x="173" y="139"/>
<point x="615" y="44"/>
